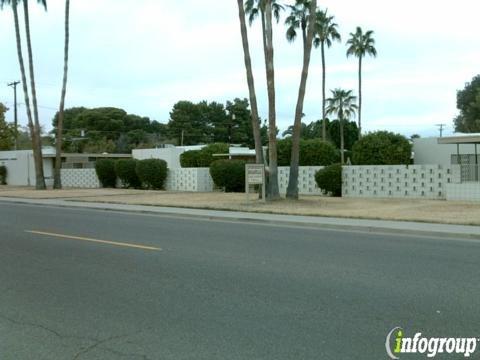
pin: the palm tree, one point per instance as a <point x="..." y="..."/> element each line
<point x="360" y="45"/>
<point x="304" y="17"/>
<point x="342" y="104"/>
<point x="267" y="9"/>
<point x="325" y="33"/>
<point x="251" y="84"/>
<point x="33" y="122"/>
<point x="57" y="182"/>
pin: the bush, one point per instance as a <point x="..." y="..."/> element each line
<point x="229" y="174"/>
<point x="3" y="175"/>
<point x="190" y="159"/>
<point x="105" y="169"/>
<point x="314" y="152"/>
<point x="152" y="173"/>
<point x="204" y="157"/>
<point x="329" y="179"/>
<point x="382" y="148"/>
<point x="127" y="173"/>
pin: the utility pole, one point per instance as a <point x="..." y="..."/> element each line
<point x="14" y="86"/>
<point x="183" y="133"/>
<point x="441" y="127"/>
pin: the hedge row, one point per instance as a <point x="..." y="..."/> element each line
<point x="313" y="152"/>
<point x="204" y="157"/>
<point x="150" y="173"/>
<point x="3" y="175"/>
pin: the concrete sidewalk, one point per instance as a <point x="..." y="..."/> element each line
<point x="382" y="226"/>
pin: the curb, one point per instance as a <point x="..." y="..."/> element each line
<point x="278" y="222"/>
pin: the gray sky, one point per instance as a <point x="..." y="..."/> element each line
<point x="145" y="58"/>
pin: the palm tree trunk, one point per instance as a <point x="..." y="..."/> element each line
<point x="292" y="190"/>
<point x="57" y="182"/>
<point x="38" y="157"/>
<point x="273" y="190"/>
<point x="251" y="84"/>
<point x="342" y="142"/>
<point x="31" y="127"/>
<point x="360" y="97"/>
<point x="324" y="120"/>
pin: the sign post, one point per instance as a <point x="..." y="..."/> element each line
<point x="255" y="175"/>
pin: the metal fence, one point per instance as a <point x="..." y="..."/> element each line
<point x="470" y="173"/>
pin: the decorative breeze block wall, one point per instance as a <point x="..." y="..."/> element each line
<point x="80" y="178"/>
<point x="306" y="180"/>
<point x="189" y="179"/>
<point x="413" y="181"/>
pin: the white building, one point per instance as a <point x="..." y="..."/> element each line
<point x="444" y="151"/>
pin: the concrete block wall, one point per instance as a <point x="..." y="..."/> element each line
<point x="80" y="178"/>
<point x="414" y="181"/>
<point x="306" y="180"/>
<point x="469" y="191"/>
<point x="189" y="179"/>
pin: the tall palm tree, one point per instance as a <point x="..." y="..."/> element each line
<point x="305" y="17"/>
<point x="325" y="33"/>
<point x="360" y="45"/>
<point x="33" y="122"/>
<point x="251" y="84"/>
<point x="342" y="104"/>
<point x="57" y="182"/>
<point x="267" y="9"/>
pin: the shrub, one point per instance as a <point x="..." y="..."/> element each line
<point x="204" y="157"/>
<point x="314" y="152"/>
<point x="127" y="173"/>
<point x="229" y="174"/>
<point x="152" y="173"/>
<point x="329" y="179"/>
<point x="3" y="175"/>
<point x="382" y="148"/>
<point x="105" y="169"/>
<point x="190" y="159"/>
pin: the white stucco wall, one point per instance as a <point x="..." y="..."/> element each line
<point x="21" y="168"/>
<point x="428" y="151"/>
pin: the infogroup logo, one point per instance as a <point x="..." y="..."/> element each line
<point x="397" y="344"/>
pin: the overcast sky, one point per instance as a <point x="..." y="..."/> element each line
<point x="146" y="55"/>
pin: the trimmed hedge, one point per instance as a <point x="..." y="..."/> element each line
<point x="105" y="169"/>
<point x="204" y="157"/>
<point x="3" y="175"/>
<point x="229" y="174"/>
<point x="314" y="152"/>
<point x="190" y="159"/>
<point x="329" y="179"/>
<point x="382" y="148"/>
<point x="152" y="173"/>
<point x="126" y="170"/>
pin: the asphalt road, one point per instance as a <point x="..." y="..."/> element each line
<point x="198" y="289"/>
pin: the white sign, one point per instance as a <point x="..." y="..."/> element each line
<point x="255" y="174"/>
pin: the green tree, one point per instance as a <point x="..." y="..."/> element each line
<point x="57" y="182"/>
<point x="468" y="102"/>
<point x="186" y="124"/>
<point x="382" y="148"/>
<point x="267" y="9"/>
<point x="350" y="133"/>
<point x="7" y="131"/>
<point x="302" y="16"/>
<point x="33" y="121"/>
<point x="361" y="44"/>
<point x="342" y="104"/>
<point x="325" y="34"/>
<point x="255" y="118"/>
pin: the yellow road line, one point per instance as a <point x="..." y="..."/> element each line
<point x="143" y="247"/>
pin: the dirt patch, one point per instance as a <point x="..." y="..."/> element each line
<point x="434" y="211"/>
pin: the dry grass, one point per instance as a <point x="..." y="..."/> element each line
<point x="435" y="211"/>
